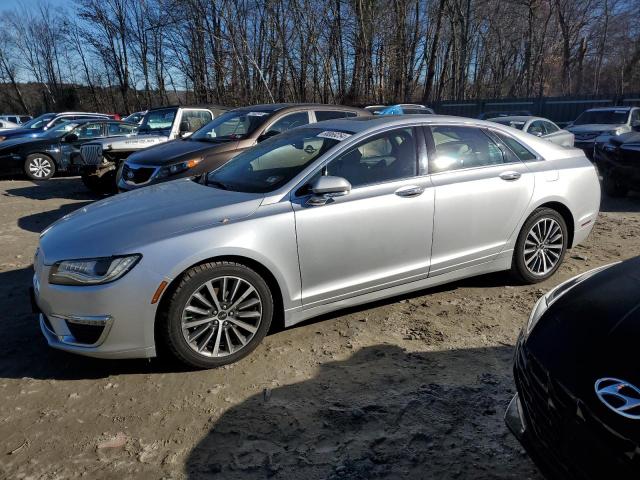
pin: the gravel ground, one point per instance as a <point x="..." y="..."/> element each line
<point x="413" y="387"/>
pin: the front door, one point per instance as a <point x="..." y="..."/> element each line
<point x="482" y="191"/>
<point x="376" y="236"/>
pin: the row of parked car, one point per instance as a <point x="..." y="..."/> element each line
<point x="98" y="147"/>
<point x="290" y="211"/>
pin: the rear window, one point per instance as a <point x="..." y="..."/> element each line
<point x="516" y="147"/>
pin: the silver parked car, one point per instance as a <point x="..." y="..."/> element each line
<point x="540" y="127"/>
<point x="318" y="218"/>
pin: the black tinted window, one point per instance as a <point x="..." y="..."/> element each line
<point x="290" y="121"/>
<point x="386" y="157"/>
<point x="462" y="147"/>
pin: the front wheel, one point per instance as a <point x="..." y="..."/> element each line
<point x="38" y="166"/>
<point x="218" y="314"/>
<point x="540" y="247"/>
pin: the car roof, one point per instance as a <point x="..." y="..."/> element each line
<point x="604" y="109"/>
<point x="518" y="118"/>
<point x="274" y="107"/>
<point x="361" y="124"/>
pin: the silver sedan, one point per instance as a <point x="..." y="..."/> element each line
<point x="540" y="127"/>
<point x="316" y="219"/>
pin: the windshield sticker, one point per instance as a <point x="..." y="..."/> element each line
<point x="334" y="135"/>
<point x="257" y="114"/>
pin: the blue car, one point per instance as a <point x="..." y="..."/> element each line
<point x="34" y="128"/>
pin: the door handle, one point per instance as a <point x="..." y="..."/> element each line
<point x="510" y="176"/>
<point x="412" y="191"/>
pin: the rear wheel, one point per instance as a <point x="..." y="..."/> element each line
<point x="38" y="166"/>
<point x="217" y="315"/>
<point x="612" y="185"/>
<point x="541" y="246"/>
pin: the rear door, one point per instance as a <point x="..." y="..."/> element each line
<point x="482" y="191"/>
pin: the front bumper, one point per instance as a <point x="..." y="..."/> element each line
<point x="114" y="320"/>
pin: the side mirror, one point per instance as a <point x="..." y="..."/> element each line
<point x="538" y="133"/>
<point x="71" y="138"/>
<point x="269" y="134"/>
<point x="326" y="188"/>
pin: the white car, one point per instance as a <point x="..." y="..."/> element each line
<point x="540" y="127"/>
<point x="7" y="125"/>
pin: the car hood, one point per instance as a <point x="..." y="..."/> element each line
<point x="595" y="127"/>
<point x="627" y="139"/>
<point x="593" y="332"/>
<point x="178" y="151"/>
<point x="16" y="142"/>
<point x="122" y="223"/>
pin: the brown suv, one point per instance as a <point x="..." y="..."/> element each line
<point x="222" y="139"/>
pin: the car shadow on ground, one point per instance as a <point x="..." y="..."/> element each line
<point x="37" y="222"/>
<point x="70" y="188"/>
<point x="381" y="413"/>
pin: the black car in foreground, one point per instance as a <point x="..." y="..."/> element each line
<point x="577" y="410"/>
<point x="42" y="155"/>
<point x="618" y="160"/>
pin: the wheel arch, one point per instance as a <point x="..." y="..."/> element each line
<point x="258" y="267"/>
<point x="567" y="216"/>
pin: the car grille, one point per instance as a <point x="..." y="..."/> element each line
<point x="136" y="175"/>
<point x="570" y="438"/>
<point x="87" y="334"/>
<point x="91" y="154"/>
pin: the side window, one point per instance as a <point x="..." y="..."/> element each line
<point x="462" y="147"/>
<point x="383" y="158"/>
<point x="89" y="130"/>
<point x="516" y="147"/>
<point x="192" y="120"/>
<point x="118" y="129"/>
<point x="289" y="121"/>
<point x="550" y="127"/>
<point x="537" y="128"/>
<point x="59" y="120"/>
<point x="635" y="115"/>
<point x="329" y="114"/>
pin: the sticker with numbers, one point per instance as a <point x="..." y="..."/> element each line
<point x="334" y="135"/>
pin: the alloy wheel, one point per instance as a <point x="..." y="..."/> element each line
<point x="543" y="246"/>
<point x="221" y="316"/>
<point x="40" y="167"/>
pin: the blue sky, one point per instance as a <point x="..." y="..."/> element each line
<point x="11" y="4"/>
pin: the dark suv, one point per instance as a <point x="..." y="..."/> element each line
<point x="222" y="139"/>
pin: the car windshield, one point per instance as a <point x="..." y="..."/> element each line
<point x="608" y="117"/>
<point x="158" y="120"/>
<point x="508" y="123"/>
<point x="273" y="162"/>
<point x="59" y="130"/>
<point x="234" y="125"/>
<point x="38" y="122"/>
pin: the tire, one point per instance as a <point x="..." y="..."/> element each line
<point x="38" y="166"/>
<point x="192" y="302"/>
<point x="530" y="266"/>
<point x="612" y="186"/>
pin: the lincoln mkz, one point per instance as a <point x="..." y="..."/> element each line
<point x="318" y="218"/>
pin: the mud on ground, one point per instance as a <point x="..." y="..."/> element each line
<point x="413" y="387"/>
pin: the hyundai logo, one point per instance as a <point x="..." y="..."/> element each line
<point x="619" y="396"/>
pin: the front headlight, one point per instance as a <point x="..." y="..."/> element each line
<point x="554" y="294"/>
<point x="178" y="168"/>
<point x="92" y="271"/>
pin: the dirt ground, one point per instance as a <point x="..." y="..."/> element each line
<point x="413" y="387"/>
